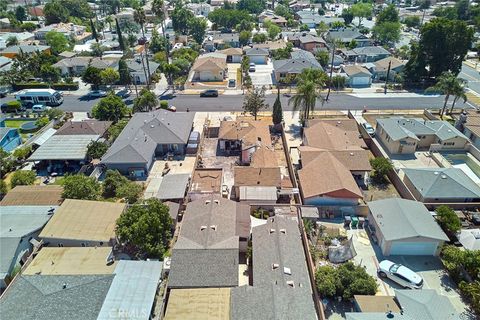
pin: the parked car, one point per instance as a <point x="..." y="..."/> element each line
<point x="123" y="93"/>
<point x="400" y="274"/>
<point x="209" y="93"/>
<point x="232" y="83"/>
<point x="369" y="129"/>
<point x="97" y="94"/>
<point x="12" y="107"/>
<point x="172" y="108"/>
<point x="252" y="67"/>
<point x="3" y="92"/>
<point x="40" y="108"/>
<point x="476" y="219"/>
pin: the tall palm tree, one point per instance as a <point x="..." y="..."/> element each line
<point x="448" y="84"/>
<point x="459" y="92"/>
<point x="140" y="18"/>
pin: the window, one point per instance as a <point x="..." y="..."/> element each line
<point x="449" y="143"/>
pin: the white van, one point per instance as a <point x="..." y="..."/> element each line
<point x="31" y="97"/>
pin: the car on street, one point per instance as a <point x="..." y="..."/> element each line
<point x="209" y="93"/>
<point x="123" y="93"/>
<point x="97" y="94"/>
<point x="400" y="274"/>
<point x="39" y="108"/>
<point x="232" y="83"/>
<point x="172" y="108"/>
<point x="368" y="127"/>
<point x="251" y="67"/>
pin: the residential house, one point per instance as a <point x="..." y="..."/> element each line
<point x="50" y="195"/>
<point x="5" y="64"/>
<point x="214" y="233"/>
<point x="205" y="182"/>
<point x="78" y="65"/>
<point x="366" y="54"/>
<point x="257" y="55"/>
<point x="257" y="177"/>
<point x="268" y="15"/>
<point x="307" y="41"/>
<point x="173" y="187"/>
<point x="297" y="5"/>
<point x="85" y="127"/>
<point x="219" y="41"/>
<point x="381" y="68"/>
<point x="334" y="134"/>
<point x="210" y="68"/>
<point x="200" y="9"/>
<point x="23" y="38"/>
<point x="358" y="76"/>
<point x="42" y="138"/>
<point x="234" y="55"/>
<point x="147" y="136"/>
<point x="312" y="19"/>
<point x="346" y="36"/>
<point x="69" y="30"/>
<point x="469" y="238"/>
<point x="13" y="51"/>
<point x="402" y="135"/>
<point x="367" y="304"/>
<point x="281" y="284"/>
<point x="299" y="61"/>
<point x="243" y="137"/>
<point x="78" y="223"/>
<point x="469" y="124"/>
<point x="137" y="71"/>
<point x="405" y="227"/>
<point x="9" y="138"/>
<point x="434" y="185"/>
<point x="271" y="45"/>
<point x="19" y="229"/>
<point x="36" y="11"/>
<point x="425" y="304"/>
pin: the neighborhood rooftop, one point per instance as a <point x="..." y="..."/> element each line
<point x="33" y="196"/>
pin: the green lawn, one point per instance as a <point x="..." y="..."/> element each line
<point x="15" y="123"/>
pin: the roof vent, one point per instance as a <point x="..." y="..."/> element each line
<point x="287" y="271"/>
<point x="207" y="201"/>
<point x="213" y="227"/>
<point x="272" y="231"/>
<point x="64" y="286"/>
<point x="390" y="315"/>
<point x="436" y="173"/>
<point x="444" y="176"/>
<point x="152" y="126"/>
<point x="284" y="231"/>
<point x="216" y="201"/>
<point x="291" y="283"/>
<point x="203" y="228"/>
<point x="352" y="154"/>
<point x="275" y="266"/>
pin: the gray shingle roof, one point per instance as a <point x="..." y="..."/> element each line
<point x="42" y="297"/>
<point x="300" y="60"/>
<point x="136" y="66"/>
<point x="346" y="35"/>
<point x="426" y="304"/>
<point x="257" y="52"/>
<point x="446" y="183"/>
<point x="173" y="186"/>
<point x="402" y="219"/>
<point x="138" y="140"/>
<point x="25" y="49"/>
<point x="369" y="50"/>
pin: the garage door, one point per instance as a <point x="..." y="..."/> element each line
<point x="413" y="248"/>
<point x="257" y="59"/>
<point x="360" y="81"/>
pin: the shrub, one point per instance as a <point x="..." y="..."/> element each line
<point x="381" y="167"/>
<point x="163" y="104"/>
<point x="22" y="178"/>
<point x="448" y="220"/>
<point x="41" y="122"/>
<point x="43" y="85"/>
<point x="3" y="187"/>
<point x="81" y="187"/>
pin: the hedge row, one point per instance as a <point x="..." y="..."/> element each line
<point x="42" y="85"/>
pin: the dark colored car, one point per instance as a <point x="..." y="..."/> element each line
<point x="11" y="107"/>
<point x="476" y="219"/>
<point x="209" y="93"/>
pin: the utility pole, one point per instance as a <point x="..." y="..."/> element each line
<point x="331" y="72"/>
<point x="388" y="75"/>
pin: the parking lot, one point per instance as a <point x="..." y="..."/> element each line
<point x="262" y="75"/>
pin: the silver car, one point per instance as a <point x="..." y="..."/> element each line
<point x="400" y="274"/>
<point x="369" y="129"/>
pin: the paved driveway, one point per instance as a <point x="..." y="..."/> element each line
<point x="263" y="75"/>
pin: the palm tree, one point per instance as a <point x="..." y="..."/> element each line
<point x="459" y="92"/>
<point x="140" y="18"/>
<point x="448" y="84"/>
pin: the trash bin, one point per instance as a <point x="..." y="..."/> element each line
<point x="347" y="222"/>
<point x="354" y="222"/>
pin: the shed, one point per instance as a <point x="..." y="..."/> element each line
<point x="258" y="194"/>
<point x="173" y="187"/>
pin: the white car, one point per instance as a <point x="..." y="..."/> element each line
<point x="97" y="94"/>
<point x="400" y="274"/>
<point x="369" y="129"/>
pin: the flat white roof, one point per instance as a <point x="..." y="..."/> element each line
<point x="258" y="193"/>
<point x="63" y="147"/>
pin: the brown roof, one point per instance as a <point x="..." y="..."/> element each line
<point x="33" y="196"/>
<point x="209" y="64"/>
<point x="207" y="180"/>
<point x="249" y="176"/>
<point x="353" y="160"/>
<point x="382" y="65"/>
<point x="326" y="176"/>
<point x="340" y="134"/>
<point x="264" y="157"/>
<point x="249" y="131"/>
<point x="232" y="51"/>
<point x="271" y="45"/>
<point x="382" y="304"/>
<point x="199" y="304"/>
<point x="354" y="70"/>
<point x="85" y="127"/>
<point x="473" y="123"/>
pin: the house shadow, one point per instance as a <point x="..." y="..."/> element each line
<point x="295" y="130"/>
<point x="334" y="307"/>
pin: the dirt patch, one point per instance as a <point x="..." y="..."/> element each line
<point x="378" y="191"/>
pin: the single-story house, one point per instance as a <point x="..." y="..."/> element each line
<point x="219" y="41"/>
<point x="13" y="51"/>
<point x="146" y="136"/>
<point x="406" y="135"/>
<point x="214" y="232"/>
<point x="405" y="227"/>
<point x="50" y="195"/>
<point x="381" y="68"/>
<point x="85" y="127"/>
<point x="19" y="229"/>
<point x="297" y="5"/>
<point x="77" y="223"/>
<point x="78" y="65"/>
<point x="366" y="54"/>
<point x="333" y="134"/>
<point x="9" y="138"/>
<point x="469" y="124"/>
<point x="257" y="55"/>
<point x="346" y="36"/>
<point x="135" y="66"/>
<point x="300" y="60"/>
<point x="256" y="177"/>
<point x="312" y="19"/>
<point x="234" y="55"/>
<point x="434" y="185"/>
<point x="69" y="30"/>
<point x="205" y="182"/>
<point x="271" y="45"/>
<point x="278" y="20"/>
<point x="358" y="76"/>
<point x="200" y="9"/>
<point x="470" y="239"/>
<point x="210" y="68"/>
<point x="43" y="137"/>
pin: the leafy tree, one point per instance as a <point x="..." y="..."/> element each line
<point x="228" y="18"/>
<point x="94" y="31"/>
<point x="146" y="101"/>
<point x="283" y="53"/>
<point x="448" y="220"/>
<point x="97" y="49"/>
<point x="81" y="187"/>
<point x="273" y="31"/>
<point x="252" y="6"/>
<point x="462" y="7"/>
<point x="381" y="166"/>
<point x="338" y="82"/>
<point x="198" y="27"/>
<point x="147" y="227"/>
<point x="22" y="178"/>
<point x="387" y="32"/>
<point x="3" y="187"/>
<point x="22" y="153"/>
<point x="412" y="21"/>
<point x="50" y="73"/>
<point x="113" y="180"/>
<point x="310" y="84"/>
<point x="304" y="27"/>
<point x="277" y="113"/>
<point x="157" y="43"/>
<point x="6" y="163"/>
<point x="110" y="108"/>
<point x="28" y="26"/>
<point x="181" y="17"/>
<point x="55" y="12"/>
<point x="115" y="129"/>
<point x="170" y="70"/>
<point x="361" y="10"/>
<point x="244" y="37"/>
<point x="348" y="16"/>
<point x="323" y="57"/>
<point x="96" y="149"/>
<point x="42" y="122"/>
<point x="109" y="76"/>
<point x="92" y="76"/>
<point x="121" y="40"/>
<point x="57" y="41"/>
<point x="327" y="281"/>
<point x="124" y="73"/>
<point x="255" y="101"/>
<point x="140" y="17"/>
<point x="259" y="38"/>
<point x="158" y="9"/>
<point x="12" y="41"/>
<point x="20" y="13"/>
<point x="389" y="14"/>
<point x="54" y="113"/>
<point x="449" y="13"/>
<point x="130" y="191"/>
<point x="448" y="84"/>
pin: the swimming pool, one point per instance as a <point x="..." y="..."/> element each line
<point x="466" y="162"/>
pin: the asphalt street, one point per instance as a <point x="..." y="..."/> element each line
<point x="472" y="76"/>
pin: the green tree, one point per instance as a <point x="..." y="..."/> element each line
<point x="255" y="101"/>
<point x="94" y="31"/>
<point x="198" y="27"/>
<point x="387" y="33"/>
<point x="323" y="57"/>
<point x="22" y="178"/>
<point x="42" y="122"/>
<point x="3" y="187"/>
<point x="79" y="186"/>
<point x="92" y="76"/>
<point x="462" y="7"/>
<point x="96" y="149"/>
<point x="6" y="163"/>
<point x="113" y="180"/>
<point x="20" y="13"/>
<point x="327" y="281"/>
<point x="304" y="27"/>
<point x="448" y="84"/>
<point x="361" y="10"/>
<point x="54" y="113"/>
<point x="347" y="15"/>
<point x="229" y="18"/>
<point x="381" y="166"/>
<point x="181" y="17"/>
<point x="123" y="73"/>
<point x="110" y="108"/>
<point x="12" y="41"/>
<point x="49" y="73"/>
<point x="147" y="227"/>
<point x="244" y="37"/>
<point x="130" y="191"/>
<point x="273" y="31"/>
<point x="55" y="12"/>
<point x="121" y="40"/>
<point x="115" y="129"/>
<point x="412" y="21"/>
<point x="146" y="101"/>
<point x="22" y="153"/>
<point x="389" y="14"/>
<point x="109" y="76"/>
<point x="259" y="38"/>
<point x="28" y="26"/>
<point x="277" y="113"/>
<point x="448" y="220"/>
<point x="57" y="41"/>
<point x="252" y="6"/>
